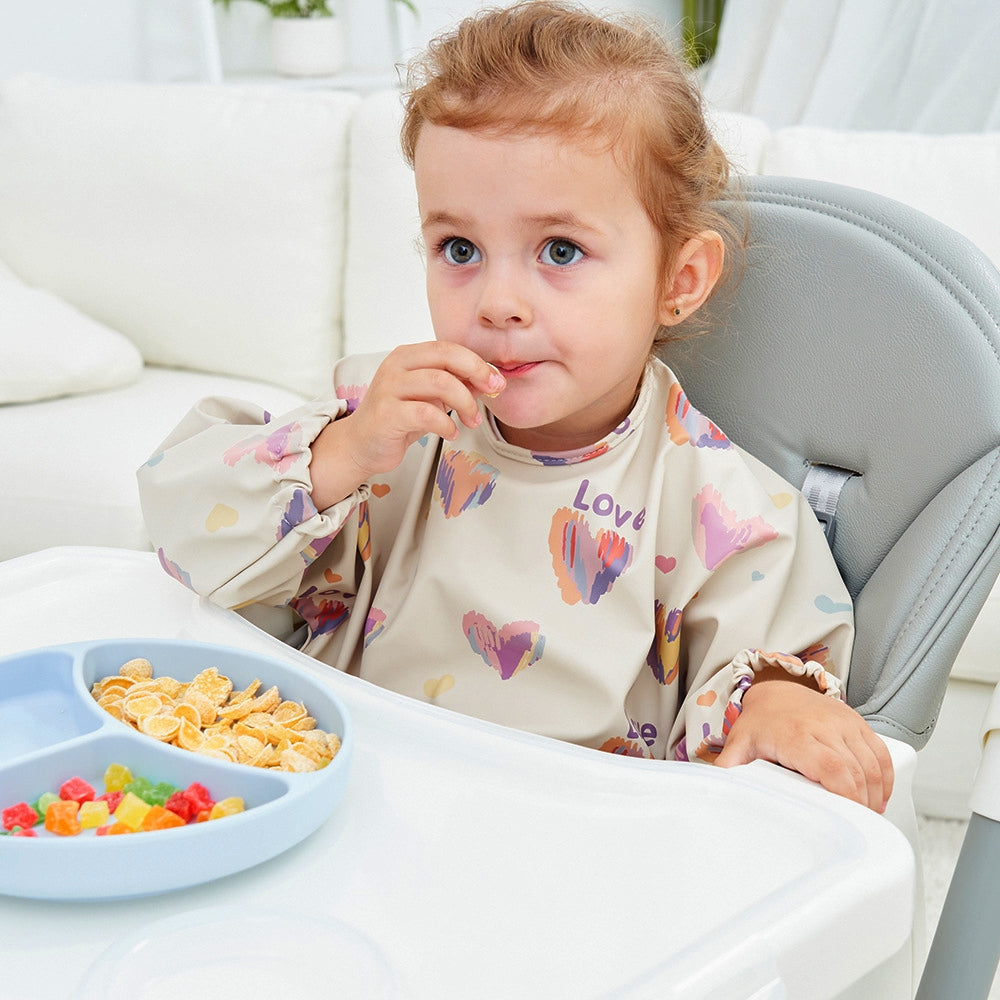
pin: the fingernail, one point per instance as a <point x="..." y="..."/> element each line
<point x="496" y="382"/>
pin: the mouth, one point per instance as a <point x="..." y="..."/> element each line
<point x="515" y="369"/>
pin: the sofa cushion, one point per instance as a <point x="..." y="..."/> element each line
<point x="385" y="302"/>
<point x="71" y="476"/>
<point x="742" y="137"/>
<point x="950" y="177"/>
<point x="51" y="349"/>
<point x="205" y="223"/>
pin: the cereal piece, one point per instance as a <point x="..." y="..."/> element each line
<point x="137" y="706"/>
<point x="246" y="694"/>
<point x="185" y="710"/>
<point x="160" y="727"/>
<point x="94" y="813"/>
<point x="189" y="736"/>
<point x="227" y="807"/>
<point x="21" y="815"/>
<point x="160" y="818"/>
<point x="113" y="708"/>
<point x="169" y="687"/>
<point x="293" y="760"/>
<point x="131" y="811"/>
<point x="288" y="712"/>
<point x="215" y="686"/>
<point x="61" y="818"/>
<point x="247" y="748"/>
<point x="265" y="758"/>
<point x="113" y="685"/>
<point x="78" y="790"/>
<point x="203" y="705"/>
<point x="138" y="669"/>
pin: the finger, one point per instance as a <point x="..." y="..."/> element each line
<point x="443" y="390"/>
<point x="886" y="766"/>
<point x="480" y="376"/>
<point x="869" y="778"/>
<point x="736" y="751"/>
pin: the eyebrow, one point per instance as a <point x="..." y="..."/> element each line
<point x="555" y="220"/>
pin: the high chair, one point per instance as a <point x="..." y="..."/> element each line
<point x="857" y="353"/>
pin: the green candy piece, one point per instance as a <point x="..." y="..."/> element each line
<point x="44" y="801"/>
<point x="160" y="792"/>
<point x="140" y="787"/>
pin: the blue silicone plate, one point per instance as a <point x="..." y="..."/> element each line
<point x="51" y="729"/>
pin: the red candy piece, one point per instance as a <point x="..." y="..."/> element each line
<point x="26" y="832"/>
<point x="112" y="799"/>
<point x="199" y="797"/>
<point x="180" y="805"/>
<point x="21" y="815"/>
<point x="77" y="790"/>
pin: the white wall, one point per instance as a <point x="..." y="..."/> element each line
<point x="164" y="39"/>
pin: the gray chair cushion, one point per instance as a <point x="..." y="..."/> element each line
<point x="865" y="335"/>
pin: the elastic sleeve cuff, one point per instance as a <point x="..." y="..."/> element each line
<point x="750" y="662"/>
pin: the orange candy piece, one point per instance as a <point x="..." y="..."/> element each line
<point x="62" y="818"/>
<point x="159" y="818"/>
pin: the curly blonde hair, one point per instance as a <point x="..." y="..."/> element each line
<point x="546" y="66"/>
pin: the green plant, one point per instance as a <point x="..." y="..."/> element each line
<point x="700" y="28"/>
<point x="307" y="8"/>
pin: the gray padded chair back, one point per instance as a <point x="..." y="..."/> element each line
<point x="865" y="335"/>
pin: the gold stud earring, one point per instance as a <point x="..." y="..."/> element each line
<point x="677" y="310"/>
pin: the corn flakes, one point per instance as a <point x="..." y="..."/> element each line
<point x="207" y="716"/>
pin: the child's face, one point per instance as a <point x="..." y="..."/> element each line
<point x="541" y="260"/>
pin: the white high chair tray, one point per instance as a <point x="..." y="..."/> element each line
<point x="479" y="861"/>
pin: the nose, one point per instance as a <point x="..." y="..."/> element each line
<point x="503" y="301"/>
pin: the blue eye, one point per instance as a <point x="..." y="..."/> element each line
<point x="460" y="251"/>
<point x="561" y="253"/>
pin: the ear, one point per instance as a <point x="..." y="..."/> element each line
<point x="695" y="272"/>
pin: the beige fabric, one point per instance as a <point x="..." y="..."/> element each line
<point x="615" y="598"/>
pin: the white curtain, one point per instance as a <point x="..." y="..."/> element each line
<point x="929" y="66"/>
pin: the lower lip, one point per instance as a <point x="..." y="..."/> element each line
<point x="518" y="370"/>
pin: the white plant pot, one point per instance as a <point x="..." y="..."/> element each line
<point x="307" y="46"/>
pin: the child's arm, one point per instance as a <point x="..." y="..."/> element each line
<point x="788" y="721"/>
<point x="241" y="505"/>
<point x="769" y="636"/>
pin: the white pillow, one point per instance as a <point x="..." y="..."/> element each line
<point x="48" y="348"/>
<point x="204" y="222"/>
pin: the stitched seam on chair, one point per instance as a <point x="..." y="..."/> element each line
<point x="893" y="724"/>
<point x="905" y="245"/>
<point x="932" y="584"/>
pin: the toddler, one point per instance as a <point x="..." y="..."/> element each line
<point x="526" y="519"/>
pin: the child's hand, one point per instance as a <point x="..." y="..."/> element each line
<point x="410" y="395"/>
<point x="794" y="725"/>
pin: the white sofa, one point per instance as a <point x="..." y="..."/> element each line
<point x="164" y="242"/>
